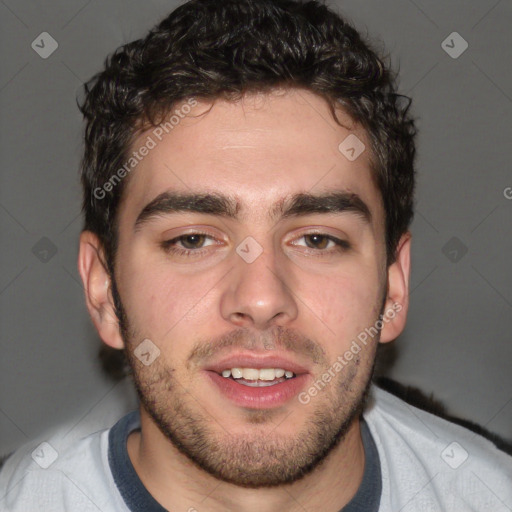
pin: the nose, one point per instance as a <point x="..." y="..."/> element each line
<point x="257" y="294"/>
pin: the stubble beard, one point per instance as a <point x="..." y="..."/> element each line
<point x="260" y="456"/>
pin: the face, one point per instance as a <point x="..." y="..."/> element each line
<point x="278" y="266"/>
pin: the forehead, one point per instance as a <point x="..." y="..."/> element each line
<point x="260" y="149"/>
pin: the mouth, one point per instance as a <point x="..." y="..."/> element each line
<point x="258" y="377"/>
<point x="257" y="382"/>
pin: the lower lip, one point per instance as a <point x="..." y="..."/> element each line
<point x="258" y="397"/>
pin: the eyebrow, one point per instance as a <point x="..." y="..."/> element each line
<point x="299" y="204"/>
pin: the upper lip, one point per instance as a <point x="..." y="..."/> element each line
<point x="255" y="360"/>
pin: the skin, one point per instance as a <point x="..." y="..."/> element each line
<point x="317" y="297"/>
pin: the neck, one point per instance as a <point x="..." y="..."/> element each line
<point x="178" y="484"/>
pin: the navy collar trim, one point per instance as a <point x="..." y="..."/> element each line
<point x="137" y="497"/>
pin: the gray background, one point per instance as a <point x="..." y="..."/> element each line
<point x="458" y="341"/>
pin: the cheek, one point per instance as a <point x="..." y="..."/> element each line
<point x="345" y="304"/>
<point x="161" y="303"/>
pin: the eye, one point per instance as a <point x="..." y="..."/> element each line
<point x="187" y="244"/>
<point x="192" y="241"/>
<point x="316" y="241"/>
<point x="321" y="242"/>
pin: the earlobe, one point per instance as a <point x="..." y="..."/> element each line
<point x="397" y="300"/>
<point x="97" y="287"/>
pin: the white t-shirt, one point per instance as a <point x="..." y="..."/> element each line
<point x="425" y="464"/>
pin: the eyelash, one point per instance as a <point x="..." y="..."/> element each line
<point x="169" y="245"/>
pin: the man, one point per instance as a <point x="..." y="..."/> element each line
<point x="248" y="180"/>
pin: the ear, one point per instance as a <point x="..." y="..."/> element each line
<point x="97" y="287"/>
<point x="397" y="300"/>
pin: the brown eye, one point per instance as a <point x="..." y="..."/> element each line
<point x="194" y="241"/>
<point x="192" y="244"/>
<point x="321" y="244"/>
<point x="317" y="241"/>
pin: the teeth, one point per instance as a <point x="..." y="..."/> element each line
<point x="266" y="374"/>
<point x="250" y="374"/>
<point x="257" y="383"/>
<point x="236" y="373"/>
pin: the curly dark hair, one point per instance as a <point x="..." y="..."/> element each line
<point x="212" y="49"/>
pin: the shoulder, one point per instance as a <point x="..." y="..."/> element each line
<point x="51" y="475"/>
<point x="429" y="463"/>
